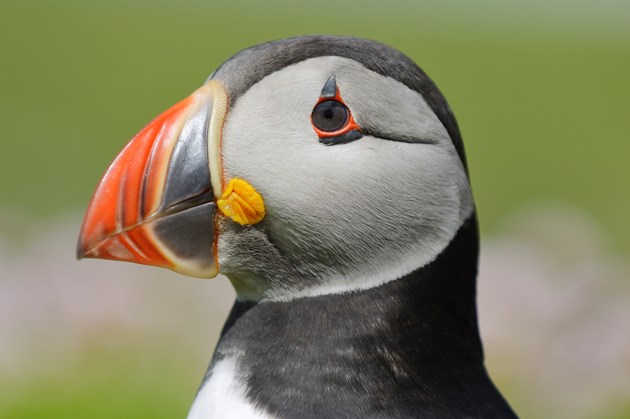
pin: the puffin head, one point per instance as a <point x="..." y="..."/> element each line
<point x="306" y="166"/>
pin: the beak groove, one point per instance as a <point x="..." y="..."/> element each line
<point x="154" y="205"/>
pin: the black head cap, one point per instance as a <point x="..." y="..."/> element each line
<point x="251" y="65"/>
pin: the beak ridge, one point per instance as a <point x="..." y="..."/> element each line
<point x="154" y="205"/>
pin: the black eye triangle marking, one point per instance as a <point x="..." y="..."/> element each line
<point x="331" y="118"/>
<point x="330" y="88"/>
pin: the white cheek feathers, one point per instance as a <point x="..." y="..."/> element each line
<point x="341" y="217"/>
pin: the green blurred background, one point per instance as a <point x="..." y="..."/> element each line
<point x="542" y="94"/>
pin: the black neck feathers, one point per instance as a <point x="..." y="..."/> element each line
<point x="409" y="348"/>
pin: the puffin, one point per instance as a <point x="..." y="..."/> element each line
<point x="326" y="177"/>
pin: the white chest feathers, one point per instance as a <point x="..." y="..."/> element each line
<point x="223" y="396"/>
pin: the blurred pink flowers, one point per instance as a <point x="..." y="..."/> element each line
<point x="554" y="308"/>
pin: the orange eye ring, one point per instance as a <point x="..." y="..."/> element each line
<point x="331" y="118"/>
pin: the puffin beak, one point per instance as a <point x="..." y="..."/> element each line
<point x="156" y="204"/>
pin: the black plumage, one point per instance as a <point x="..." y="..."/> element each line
<point x="357" y="291"/>
<point x="246" y="68"/>
<point x="409" y="348"/>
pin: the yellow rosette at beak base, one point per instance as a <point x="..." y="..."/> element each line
<point x="242" y="203"/>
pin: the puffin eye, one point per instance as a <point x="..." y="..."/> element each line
<point x="331" y="119"/>
<point x="330" y="116"/>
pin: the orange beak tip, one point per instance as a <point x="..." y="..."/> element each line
<point x="154" y="205"/>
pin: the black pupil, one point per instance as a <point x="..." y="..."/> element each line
<point x="330" y="116"/>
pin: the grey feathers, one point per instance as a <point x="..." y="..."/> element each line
<point x="251" y="65"/>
